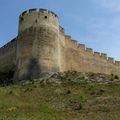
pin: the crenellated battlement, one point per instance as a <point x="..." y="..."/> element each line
<point x="117" y="63"/>
<point x="25" y="12"/>
<point x="89" y="51"/>
<point x="35" y="10"/>
<point x="104" y="56"/>
<point x="97" y="54"/>
<point x="70" y="42"/>
<point x="111" y="60"/>
<point x="74" y="42"/>
<point x="61" y="29"/>
<point x="32" y="10"/>
<point x="68" y="37"/>
<point x="36" y="17"/>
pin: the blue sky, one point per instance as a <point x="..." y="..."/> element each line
<point x="95" y="23"/>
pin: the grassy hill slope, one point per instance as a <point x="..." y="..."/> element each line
<point x="73" y="97"/>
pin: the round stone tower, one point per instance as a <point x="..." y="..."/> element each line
<point x="37" y="44"/>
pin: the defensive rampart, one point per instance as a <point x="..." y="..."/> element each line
<point x="8" y="56"/>
<point x="83" y="59"/>
<point x="42" y="46"/>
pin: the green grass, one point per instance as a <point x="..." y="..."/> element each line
<point x="37" y="101"/>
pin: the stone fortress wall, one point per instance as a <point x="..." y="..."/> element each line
<point x="8" y="56"/>
<point x="42" y="46"/>
<point x="84" y="59"/>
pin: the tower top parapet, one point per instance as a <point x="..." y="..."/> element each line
<point x="36" y="18"/>
<point x="38" y="11"/>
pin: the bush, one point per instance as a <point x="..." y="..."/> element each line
<point x="75" y="105"/>
<point x="6" y="78"/>
<point x="112" y="74"/>
<point x="116" y="77"/>
<point x="112" y="77"/>
<point x="10" y="92"/>
<point x="68" y="92"/>
<point x="78" y="107"/>
<point x="91" y="74"/>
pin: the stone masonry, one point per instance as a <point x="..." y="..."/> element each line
<point x="41" y="47"/>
